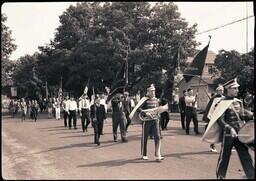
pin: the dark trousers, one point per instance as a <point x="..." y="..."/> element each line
<point x="191" y="114"/>
<point x="128" y="120"/>
<point x="226" y="148"/>
<point x="147" y="127"/>
<point x="164" y="120"/>
<point x="65" y="117"/>
<point x="119" y="119"/>
<point x="96" y="128"/>
<point x="85" y="115"/>
<point x="72" y="115"/>
<point x="182" y="119"/>
<point x="35" y="113"/>
<point x="101" y="123"/>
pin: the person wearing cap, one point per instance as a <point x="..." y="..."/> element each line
<point x="118" y="117"/>
<point x="127" y="109"/>
<point x="72" y="110"/>
<point x="225" y="122"/>
<point x="152" y="124"/>
<point x="182" y="106"/>
<point x="84" y="110"/>
<point x="191" y="105"/>
<point x="98" y="115"/>
<point x="210" y="106"/>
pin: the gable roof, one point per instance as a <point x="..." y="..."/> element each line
<point x="209" y="58"/>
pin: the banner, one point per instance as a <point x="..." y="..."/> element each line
<point x="14" y="91"/>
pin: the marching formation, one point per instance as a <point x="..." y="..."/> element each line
<point x="224" y="116"/>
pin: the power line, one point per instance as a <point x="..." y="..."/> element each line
<point x="225" y="25"/>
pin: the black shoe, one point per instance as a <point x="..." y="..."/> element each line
<point x="124" y="141"/>
<point x="187" y="132"/>
<point x="183" y="128"/>
<point x="69" y="127"/>
<point x="115" y="140"/>
<point x="101" y="133"/>
<point x="75" y="127"/>
<point x="98" y="143"/>
<point x="197" y="133"/>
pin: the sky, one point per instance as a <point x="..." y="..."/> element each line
<point x="34" y="24"/>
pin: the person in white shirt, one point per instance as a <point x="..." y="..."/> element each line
<point x="191" y="105"/>
<point x="102" y="102"/>
<point x="72" y="109"/>
<point x="84" y="109"/>
<point x="57" y="108"/>
<point x="65" y="105"/>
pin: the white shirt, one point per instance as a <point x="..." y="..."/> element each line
<point x="65" y="105"/>
<point x="190" y="101"/>
<point x="103" y="102"/>
<point x="72" y="105"/>
<point x="84" y="104"/>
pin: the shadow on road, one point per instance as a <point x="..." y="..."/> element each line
<point x="121" y="162"/>
<point x="117" y="163"/>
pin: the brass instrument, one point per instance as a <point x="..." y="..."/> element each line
<point x="153" y="113"/>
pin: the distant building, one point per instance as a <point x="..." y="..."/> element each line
<point x="205" y="87"/>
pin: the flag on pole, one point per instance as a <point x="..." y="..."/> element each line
<point x="60" y="89"/>
<point x="197" y="65"/>
<point x="120" y="82"/>
<point x="169" y="83"/>
<point x="46" y="91"/>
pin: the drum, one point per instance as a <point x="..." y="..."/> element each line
<point x="246" y="134"/>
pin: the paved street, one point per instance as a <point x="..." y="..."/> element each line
<point x="47" y="150"/>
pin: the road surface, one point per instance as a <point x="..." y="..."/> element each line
<point x="47" y="150"/>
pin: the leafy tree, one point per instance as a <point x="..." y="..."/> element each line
<point x="7" y="47"/>
<point x="232" y="64"/>
<point x="95" y="38"/>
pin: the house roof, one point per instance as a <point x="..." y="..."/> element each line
<point x="206" y="79"/>
<point x="209" y="58"/>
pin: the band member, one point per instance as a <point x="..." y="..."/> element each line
<point x="23" y="106"/>
<point x="65" y="104"/>
<point x="225" y="122"/>
<point x="84" y="109"/>
<point x="219" y="94"/>
<point x="150" y="101"/>
<point x="191" y="105"/>
<point x="118" y="117"/>
<point x="98" y="115"/>
<point x="127" y="109"/>
<point x="72" y="110"/>
<point x="182" y="106"/>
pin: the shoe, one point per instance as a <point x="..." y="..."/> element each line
<point x="145" y="157"/>
<point x="124" y="141"/>
<point x="197" y="133"/>
<point x="187" y="132"/>
<point x="101" y="133"/>
<point x="98" y="143"/>
<point x="115" y="140"/>
<point x="75" y="127"/>
<point x="159" y="158"/>
<point x="151" y="137"/>
<point x="69" y="128"/>
<point x="214" y="150"/>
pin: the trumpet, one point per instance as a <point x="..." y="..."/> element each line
<point x="153" y="113"/>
